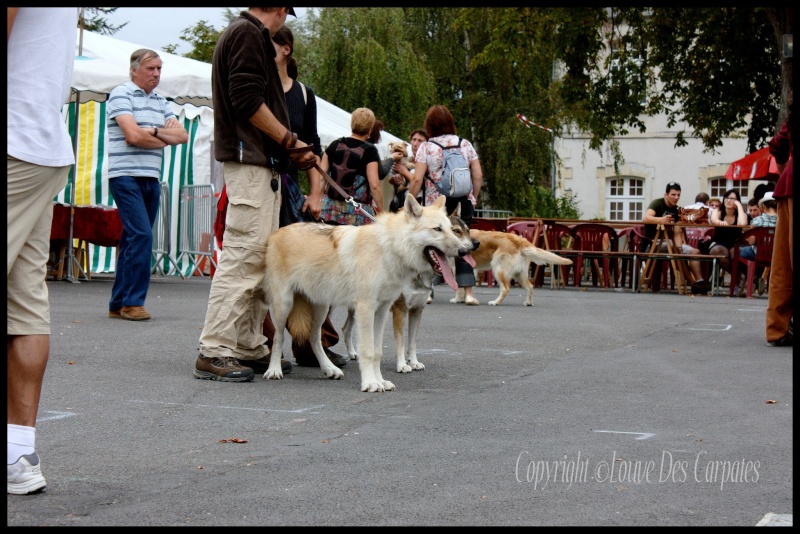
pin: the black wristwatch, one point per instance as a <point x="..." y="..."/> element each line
<point x="155" y="131"/>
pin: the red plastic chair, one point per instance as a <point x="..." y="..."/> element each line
<point x="555" y="237"/>
<point x="629" y="239"/>
<point x="694" y="235"/>
<point x="530" y="230"/>
<point x="765" y="238"/>
<point x="596" y="237"/>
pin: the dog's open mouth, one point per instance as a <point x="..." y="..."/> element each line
<point x="439" y="262"/>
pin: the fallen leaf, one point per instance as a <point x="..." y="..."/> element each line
<point x="325" y="441"/>
<point x="772" y="402"/>
<point x="232" y="440"/>
<point x="71" y="362"/>
<point x="77" y="321"/>
<point x="674" y="350"/>
<point x="199" y="466"/>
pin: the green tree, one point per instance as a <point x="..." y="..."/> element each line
<point x="719" y="70"/>
<point x="363" y="57"/>
<point x="94" y="21"/>
<point x="203" y="39"/>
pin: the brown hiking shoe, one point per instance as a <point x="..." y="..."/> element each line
<point x="225" y="369"/>
<point x="114" y="314"/>
<point x="134" y="313"/>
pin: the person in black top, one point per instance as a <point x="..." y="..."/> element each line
<point x="353" y="162"/>
<point x="732" y="213"/>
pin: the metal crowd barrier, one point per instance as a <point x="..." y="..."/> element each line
<point x="493" y="214"/>
<point x="162" y="244"/>
<point x="196" y="227"/>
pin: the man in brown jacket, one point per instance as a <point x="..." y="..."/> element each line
<point x="251" y="135"/>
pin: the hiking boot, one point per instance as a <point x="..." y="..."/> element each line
<point x="133" y="313"/>
<point x="260" y="365"/>
<point x="224" y="369"/>
<point x="337" y="360"/>
<point x="114" y="314"/>
<point x="25" y="475"/>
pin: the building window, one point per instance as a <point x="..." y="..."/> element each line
<point x="718" y="186"/>
<point x="625" y="199"/>
<point x="626" y="69"/>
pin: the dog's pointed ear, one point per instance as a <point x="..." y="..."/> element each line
<point x="457" y="211"/>
<point x="412" y="208"/>
<point x="439" y="202"/>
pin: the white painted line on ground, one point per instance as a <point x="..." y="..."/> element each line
<point x="309" y="409"/>
<point x="775" y="520"/>
<point x="642" y="435"/>
<point x="51" y="416"/>
<point x="719" y="327"/>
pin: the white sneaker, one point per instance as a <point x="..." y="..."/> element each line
<point x="25" y="475"/>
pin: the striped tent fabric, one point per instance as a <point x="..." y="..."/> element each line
<point x="186" y="164"/>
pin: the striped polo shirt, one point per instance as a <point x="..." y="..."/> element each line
<point x="148" y="111"/>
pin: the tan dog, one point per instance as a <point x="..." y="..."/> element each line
<point x="311" y="267"/>
<point x="509" y="257"/>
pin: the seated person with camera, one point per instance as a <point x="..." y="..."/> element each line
<point x="665" y="211"/>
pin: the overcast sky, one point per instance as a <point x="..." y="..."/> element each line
<point x="156" y="27"/>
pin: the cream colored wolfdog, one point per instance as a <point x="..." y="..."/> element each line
<point x="509" y="257"/>
<point x="312" y="267"/>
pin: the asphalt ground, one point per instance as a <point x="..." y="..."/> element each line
<point x="594" y="407"/>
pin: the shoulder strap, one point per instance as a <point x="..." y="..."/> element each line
<point x="305" y="95"/>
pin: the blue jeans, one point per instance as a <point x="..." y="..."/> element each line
<point x="137" y="199"/>
<point x="748" y="252"/>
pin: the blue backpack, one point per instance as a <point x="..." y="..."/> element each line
<point x="456" y="180"/>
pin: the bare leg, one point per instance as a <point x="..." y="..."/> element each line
<point x="27" y="360"/>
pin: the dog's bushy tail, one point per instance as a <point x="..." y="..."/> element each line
<point x="543" y="257"/>
<point x="299" y="321"/>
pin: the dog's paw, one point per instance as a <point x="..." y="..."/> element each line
<point x="388" y="386"/>
<point x="333" y="372"/>
<point x="353" y="355"/>
<point x="456" y="300"/>
<point x="403" y="368"/>
<point x="372" y="387"/>
<point x="493" y="303"/>
<point x="273" y="375"/>
<point x="416" y="365"/>
<point x="528" y="303"/>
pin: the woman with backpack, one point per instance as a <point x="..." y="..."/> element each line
<point x="430" y="176"/>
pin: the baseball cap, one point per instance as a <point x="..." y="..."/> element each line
<point x="767" y="196"/>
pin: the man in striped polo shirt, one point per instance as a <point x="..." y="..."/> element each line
<point x="140" y="124"/>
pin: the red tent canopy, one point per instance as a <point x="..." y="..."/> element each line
<point x="759" y="165"/>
